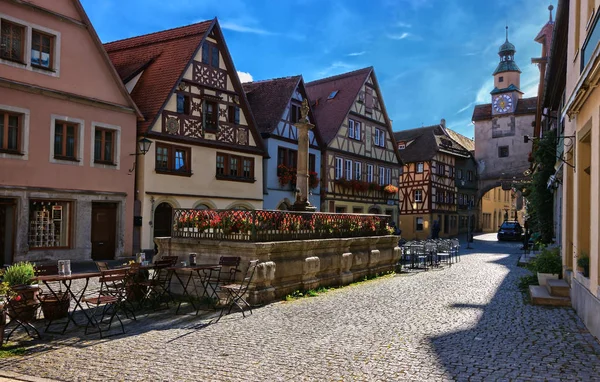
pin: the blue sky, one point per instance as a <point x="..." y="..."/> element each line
<point x="433" y="58"/>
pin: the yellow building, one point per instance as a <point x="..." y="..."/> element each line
<point x="579" y="116"/>
<point x="497" y="205"/>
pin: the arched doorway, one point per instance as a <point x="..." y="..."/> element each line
<point x="162" y="220"/>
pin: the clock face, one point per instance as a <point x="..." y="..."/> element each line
<point x="503" y="103"/>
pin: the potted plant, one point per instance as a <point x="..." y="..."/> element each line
<point x="23" y="290"/>
<point x="583" y="262"/>
<point x="548" y="265"/>
<point x="55" y="305"/>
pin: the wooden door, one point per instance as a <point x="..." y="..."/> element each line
<point x="7" y="230"/>
<point x="104" y="231"/>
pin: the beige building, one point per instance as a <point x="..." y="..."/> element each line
<point x="207" y="152"/>
<point x="581" y="184"/>
<point x="498" y="205"/>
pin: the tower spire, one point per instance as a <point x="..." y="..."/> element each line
<point x="550" y="8"/>
<point x="507" y="33"/>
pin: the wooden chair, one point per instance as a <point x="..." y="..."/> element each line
<point x="236" y="292"/>
<point x="108" y="302"/>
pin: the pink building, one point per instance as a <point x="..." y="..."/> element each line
<point x="67" y="129"/>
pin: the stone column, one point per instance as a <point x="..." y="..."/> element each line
<point x="303" y="126"/>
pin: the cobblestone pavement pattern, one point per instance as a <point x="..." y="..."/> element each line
<point x="466" y="322"/>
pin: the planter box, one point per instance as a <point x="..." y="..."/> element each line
<point x="544" y="277"/>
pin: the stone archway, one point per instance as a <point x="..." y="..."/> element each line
<point x="163" y="215"/>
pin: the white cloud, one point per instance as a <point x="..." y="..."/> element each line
<point x="399" y="36"/>
<point x="356" y="53"/>
<point x="483" y="95"/>
<point x="245" y="77"/>
<point x="233" y="26"/>
<point x="336" y="68"/>
<point x="403" y="25"/>
<point x="466" y="107"/>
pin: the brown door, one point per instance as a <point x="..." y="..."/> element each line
<point x="7" y="230"/>
<point x="104" y="230"/>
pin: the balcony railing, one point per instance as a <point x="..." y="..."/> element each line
<point x="264" y="225"/>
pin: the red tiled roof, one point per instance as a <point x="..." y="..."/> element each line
<point x="524" y="106"/>
<point x="165" y="55"/>
<point x="268" y="100"/>
<point x="330" y="113"/>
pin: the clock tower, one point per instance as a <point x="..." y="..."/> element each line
<point x="507" y="81"/>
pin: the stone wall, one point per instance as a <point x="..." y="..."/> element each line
<point x="287" y="266"/>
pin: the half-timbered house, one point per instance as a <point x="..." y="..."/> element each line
<point x="361" y="164"/>
<point x="207" y="152"/>
<point x="428" y="192"/>
<point x="276" y="106"/>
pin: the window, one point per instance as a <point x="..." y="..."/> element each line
<point x="357" y="210"/>
<point x="388" y="176"/>
<point x="339" y="168"/>
<point x="233" y="115"/>
<point x="10" y="132"/>
<point x="370" y="173"/>
<point x="419" y="224"/>
<point x="460" y="199"/>
<point x="401" y="146"/>
<point x="503" y="151"/>
<point x="441" y="169"/>
<point x="210" y="54"/>
<point x="460" y="174"/>
<point x="295" y="113"/>
<point x="340" y="210"/>
<point x="500" y="79"/>
<point x="357" y="170"/>
<point x="104" y="146"/>
<point x="354" y="129"/>
<point x="211" y="115"/>
<point x="333" y="94"/>
<point x="379" y="138"/>
<point x="348" y="169"/>
<point x="470" y="176"/>
<point x="183" y="104"/>
<point x="312" y="162"/>
<point x="418" y="195"/>
<point x="287" y="157"/>
<point x="173" y="159"/>
<point x="234" y="167"/>
<point x="49" y="224"/>
<point x="420" y="168"/>
<point x="381" y="176"/>
<point x="472" y="201"/>
<point x="12" y="41"/>
<point x="65" y="140"/>
<point x="41" y="49"/>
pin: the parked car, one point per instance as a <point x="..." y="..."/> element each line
<point x="510" y="230"/>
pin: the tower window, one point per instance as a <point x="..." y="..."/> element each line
<point x="503" y="151"/>
<point x="500" y="79"/>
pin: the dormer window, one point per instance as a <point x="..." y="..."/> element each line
<point x="333" y="94"/>
<point x="401" y="146"/>
<point x="210" y="54"/>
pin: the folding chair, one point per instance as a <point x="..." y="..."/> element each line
<point x="158" y="285"/>
<point x="444" y="251"/>
<point x="236" y="292"/>
<point x="108" y="302"/>
<point x="102" y="265"/>
<point x="172" y="259"/>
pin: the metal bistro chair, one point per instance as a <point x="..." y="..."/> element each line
<point x="51" y="294"/>
<point x="102" y="265"/>
<point x="172" y="259"/>
<point x="236" y="292"/>
<point x="444" y="251"/>
<point x="158" y="285"/>
<point x="455" y="249"/>
<point x="108" y="302"/>
<point x="227" y="273"/>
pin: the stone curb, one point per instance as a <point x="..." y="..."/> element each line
<point x="11" y="376"/>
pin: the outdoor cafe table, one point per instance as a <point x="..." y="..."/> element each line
<point x="67" y="281"/>
<point x="204" y="273"/>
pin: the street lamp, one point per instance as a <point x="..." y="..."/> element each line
<point x="143" y="146"/>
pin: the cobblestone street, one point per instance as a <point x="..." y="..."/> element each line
<point x="466" y="322"/>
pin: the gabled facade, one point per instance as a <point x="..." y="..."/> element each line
<point x="429" y="195"/>
<point x="276" y="107"/>
<point x="207" y="152"/>
<point x="67" y="127"/>
<point x="360" y="158"/>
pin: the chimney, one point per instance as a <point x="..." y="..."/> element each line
<point x="443" y="123"/>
